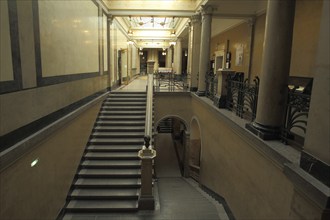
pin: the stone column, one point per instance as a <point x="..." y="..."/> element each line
<point x="168" y="60"/>
<point x="196" y="42"/>
<point x="315" y="158"/>
<point x="178" y="57"/>
<point x="129" y="62"/>
<point x="204" y="48"/>
<point x="275" y="69"/>
<point x="189" y="66"/>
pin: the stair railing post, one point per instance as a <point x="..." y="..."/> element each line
<point x="147" y="154"/>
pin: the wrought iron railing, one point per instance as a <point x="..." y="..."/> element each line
<point x="295" y="123"/>
<point x="242" y="97"/>
<point x="170" y="82"/>
<point x="211" y="81"/>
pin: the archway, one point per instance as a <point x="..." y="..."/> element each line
<point x="175" y="129"/>
<point x="195" y="149"/>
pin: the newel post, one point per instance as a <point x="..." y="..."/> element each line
<point x="147" y="154"/>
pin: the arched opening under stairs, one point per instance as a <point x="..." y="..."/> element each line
<point x="170" y="143"/>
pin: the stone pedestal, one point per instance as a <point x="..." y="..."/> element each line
<point x="146" y="199"/>
<point x="221" y="96"/>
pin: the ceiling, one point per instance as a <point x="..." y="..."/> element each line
<point x="156" y="23"/>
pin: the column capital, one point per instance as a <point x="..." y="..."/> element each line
<point x="110" y="19"/>
<point x="206" y="10"/>
<point x="251" y="21"/>
<point x="196" y="18"/>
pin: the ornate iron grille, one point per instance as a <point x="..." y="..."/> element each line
<point x="170" y="82"/>
<point x="296" y="116"/>
<point x="242" y="97"/>
<point x="211" y="85"/>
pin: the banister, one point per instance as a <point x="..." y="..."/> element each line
<point x="149" y="113"/>
<point x="147" y="154"/>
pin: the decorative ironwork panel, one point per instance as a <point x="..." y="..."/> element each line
<point x="170" y="82"/>
<point x="242" y="97"/>
<point x="295" y="123"/>
<point x="211" y="85"/>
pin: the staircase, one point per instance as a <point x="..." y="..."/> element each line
<point x="108" y="178"/>
<point x="165" y="126"/>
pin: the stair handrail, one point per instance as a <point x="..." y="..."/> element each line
<point x="147" y="154"/>
<point x="149" y="113"/>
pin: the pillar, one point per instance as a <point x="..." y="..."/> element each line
<point x="190" y="38"/>
<point x="204" y="48"/>
<point x="169" y="57"/>
<point x="275" y="69"/>
<point x="315" y="158"/>
<point x="196" y="42"/>
<point x="178" y="57"/>
<point x="129" y="62"/>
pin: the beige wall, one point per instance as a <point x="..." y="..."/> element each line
<point x="69" y="45"/>
<point x="237" y="36"/>
<point x="305" y="37"/>
<point x="6" y="67"/>
<point x="68" y="37"/>
<point x="233" y="166"/>
<point x="23" y="107"/>
<point x="167" y="104"/>
<point x="39" y="192"/>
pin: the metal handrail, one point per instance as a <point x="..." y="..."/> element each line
<point x="149" y="113"/>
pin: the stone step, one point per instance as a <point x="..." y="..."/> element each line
<point x="109" y="173"/>
<point x="131" y="95"/>
<point x="103" y="206"/>
<point x="125" y="99"/>
<point x="112" y="164"/>
<point x="121" y="117"/>
<point x="119" y="128"/>
<point x="126" y="112"/>
<point x="119" y="123"/>
<point x="111" y="194"/>
<point x="121" y="108"/>
<point x="116" y="141"/>
<point x="128" y="92"/>
<point x="107" y="183"/>
<point x="111" y="155"/>
<point x="126" y="135"/>
<point x="114" y="148"/>
<point x="110" y="104"/>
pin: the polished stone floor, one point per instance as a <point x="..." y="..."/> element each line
<point x="177" y="198"/>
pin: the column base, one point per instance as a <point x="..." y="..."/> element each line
<point x="201" y="93"/>
<point x="220" y="101"/>
<point x="263" y="131"/>
<point x="146" y="203"/>
<point x="193" y="89"/>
